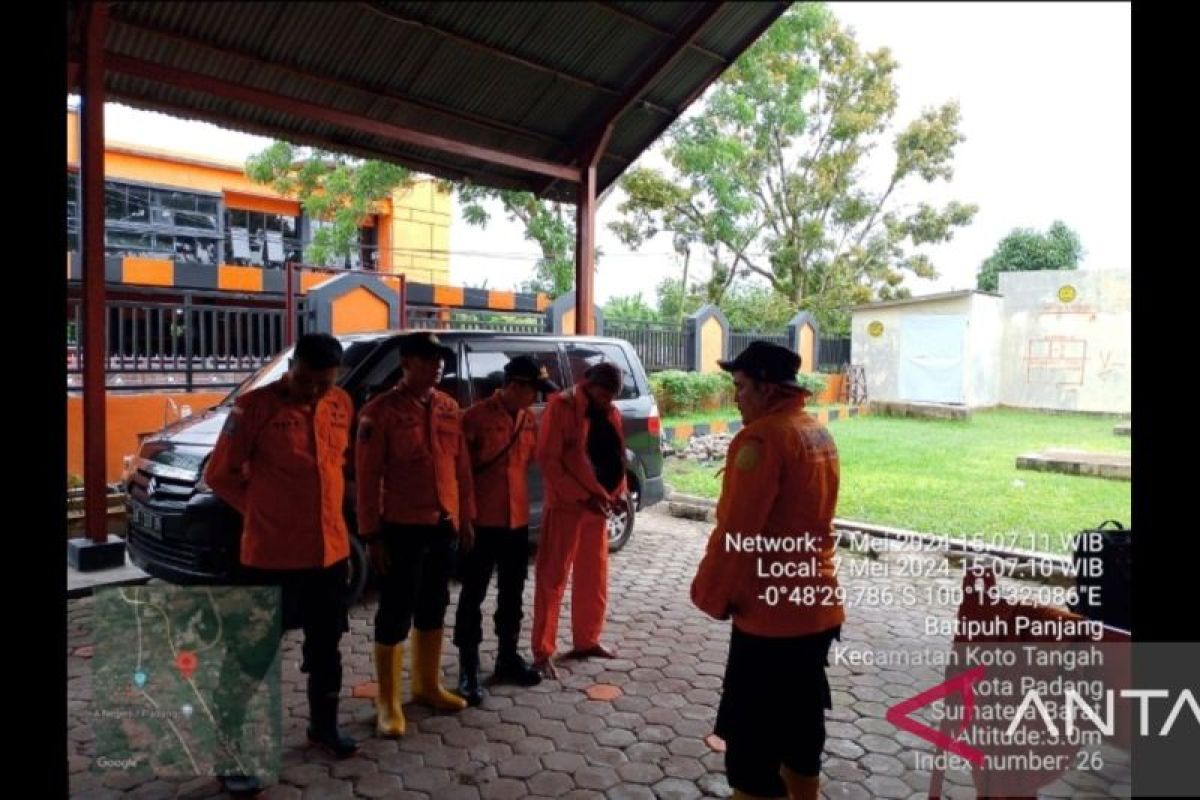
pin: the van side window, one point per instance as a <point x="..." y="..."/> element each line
<point x="583" y="356"/>
<point x="487" y="369"/>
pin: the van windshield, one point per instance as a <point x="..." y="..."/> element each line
<point x="274" y="369"/>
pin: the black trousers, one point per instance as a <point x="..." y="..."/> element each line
<point x="311" y="599"/>
<point x="416" y="588"/>
<point x="505" y="551"/>
<point x="772" y="710"/>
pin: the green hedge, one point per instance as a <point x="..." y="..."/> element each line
<point x="815" y="382"/>
<point x="679" y="392"/>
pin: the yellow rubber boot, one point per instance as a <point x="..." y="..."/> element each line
<point x="801" y="787"/>
<point x="427" y="673"/>
<point x="389" y="714"/>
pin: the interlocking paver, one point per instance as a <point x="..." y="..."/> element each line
<point x="551" y="740"/>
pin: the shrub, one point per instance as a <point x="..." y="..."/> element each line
<point x="679" y="392"/>
<point x="815" y="382"/>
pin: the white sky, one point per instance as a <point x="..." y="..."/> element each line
<point x="1045" y="95"/>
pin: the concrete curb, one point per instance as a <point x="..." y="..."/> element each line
<point x="824" y="415"/>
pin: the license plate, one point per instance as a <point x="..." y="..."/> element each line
<point x="148" y="522"/>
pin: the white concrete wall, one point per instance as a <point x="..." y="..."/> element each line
<point x="1067" y="355"/>
<point x="985" y="343"/>
<point x="880" y="356"/>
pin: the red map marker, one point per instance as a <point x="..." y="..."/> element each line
<point x="186" y="662"/>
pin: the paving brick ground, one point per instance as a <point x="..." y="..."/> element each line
<point x="556" y="741"/>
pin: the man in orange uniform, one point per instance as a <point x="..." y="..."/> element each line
<point x="414" y="498"/>
<point x="279" y="462"/>
<point x="769" y="566"/>
<point x="501" y="437"/>
<point x="581" y="451"/>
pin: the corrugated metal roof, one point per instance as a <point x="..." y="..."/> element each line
<point x="532" y="79"/>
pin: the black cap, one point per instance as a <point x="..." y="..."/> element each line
<point x="424" y="344"/>
<point x="606" y="375"/>
<point x="766" y="362"/>
<point x="523" y="369"/>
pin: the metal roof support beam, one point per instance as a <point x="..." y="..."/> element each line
<point x="182" y="79"/>
<point x="95" y="346"/>
<point x="663" y="32"/>
<point x="585" y="252"/>
<point x="425" y="105"/>
<point x="590" y="151"/>
<point x="716" y="71"/>
<point x="395" y="16"/>
<point x="667" y="57"/>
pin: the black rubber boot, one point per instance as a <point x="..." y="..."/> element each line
<point x="242" y="785"/>
<point x="511" y="668"/>
<point x="468" y="676"/>
<point x="323" y="730"/>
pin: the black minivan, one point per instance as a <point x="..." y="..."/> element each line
<point x="179" y="531"/>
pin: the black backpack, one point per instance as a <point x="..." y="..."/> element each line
<point x="1103" y="574"/>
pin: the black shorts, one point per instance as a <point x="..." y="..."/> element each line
<point x="772" y="710"/>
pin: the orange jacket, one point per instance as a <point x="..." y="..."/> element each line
<point x="411" y="463"/>
<point x="502" y="488"/>
<point x="280" y="464"/>
<point x="781" y="483"/>
<point x="567" y="473"/>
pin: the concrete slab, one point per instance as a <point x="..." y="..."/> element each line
<point x="80" y="584"/>
<point x="1115" y="466"/>
<point x="920" y="410"/>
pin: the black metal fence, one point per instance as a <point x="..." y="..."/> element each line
<point x="660" y="345"/>
<point x="739" y="340"/>
<point x="189" y="344"/>
<point x="200" y="343"/>
<point x="428" y="318"/>
<point x="833" y="353"/>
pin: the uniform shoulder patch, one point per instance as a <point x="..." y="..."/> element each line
<point x="748" y="456"/>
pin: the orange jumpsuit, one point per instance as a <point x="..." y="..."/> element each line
<point x="781" y="483"/>
<point x="574" y="539"/>
<point x="280" y="465"/>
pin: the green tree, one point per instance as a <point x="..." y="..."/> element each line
<point x="768" y="178"/>
<point x="756" y="307"/>
<point x="673" y="303"/>
<point x="549" y="224"/>
<point x="1024" y="249"/>
<point x="748" y="306"/>
<point x="331" y="187"/>
<point x="631" y="307"/>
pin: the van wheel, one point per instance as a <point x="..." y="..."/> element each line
<point x="620" y="523"/>
<point x="356" y="581"/>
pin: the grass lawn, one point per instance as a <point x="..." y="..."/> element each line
<point x="959" y="478"/>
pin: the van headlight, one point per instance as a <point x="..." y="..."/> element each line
<point x="202" y="486"/>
